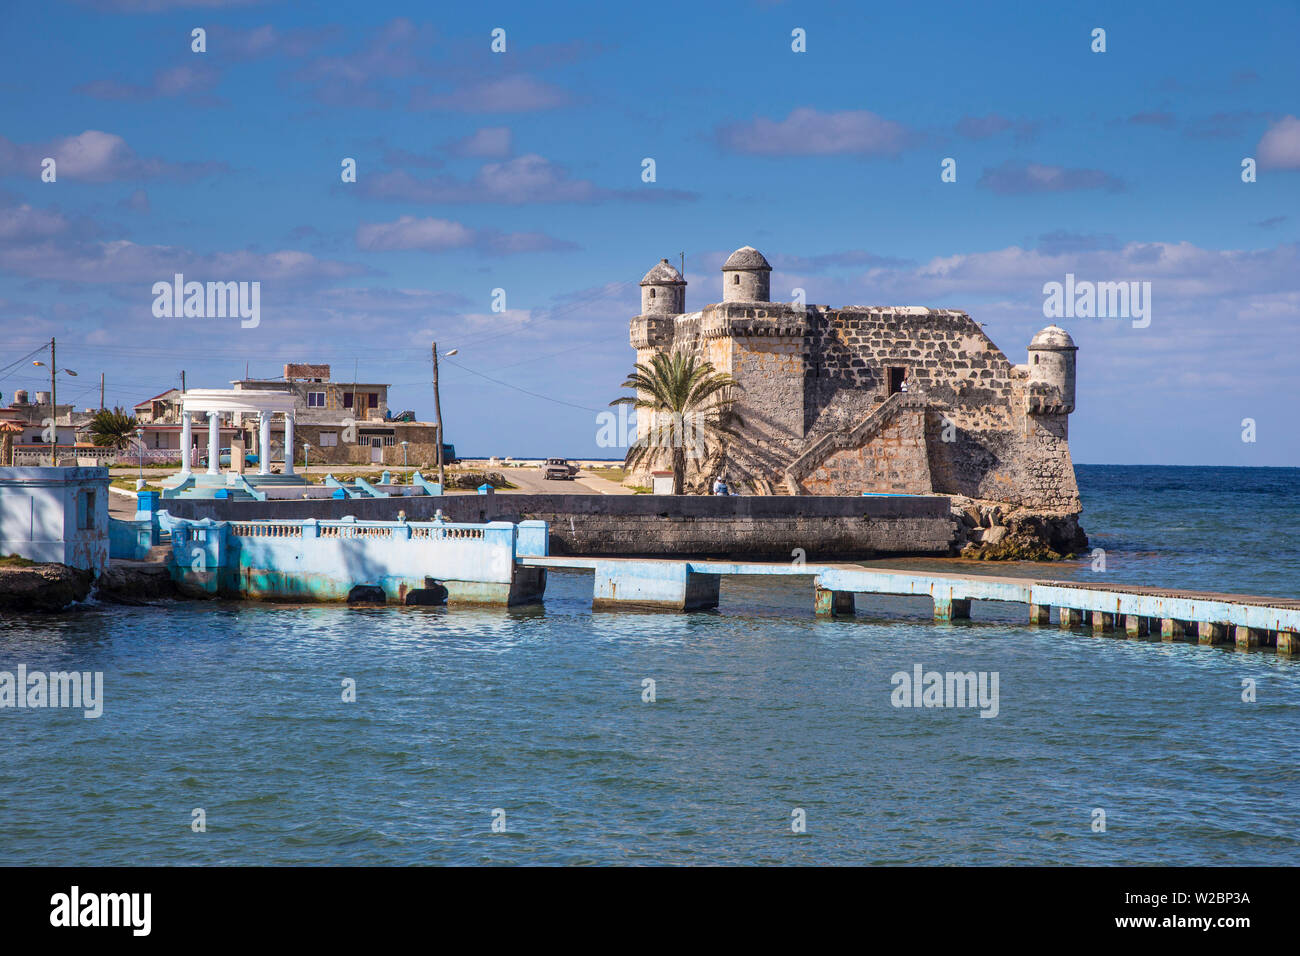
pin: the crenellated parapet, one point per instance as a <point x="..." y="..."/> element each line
<point x="652" y="332"/>
<point x="731" y="320"/>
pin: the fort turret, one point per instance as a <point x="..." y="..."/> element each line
<point x="746" y="277"/>
<point x="1051" y="362"/>
<point x="663" y="291"/>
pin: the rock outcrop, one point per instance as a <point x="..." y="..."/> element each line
<point x="42" y="588"/>
<point x="990" y="531"/>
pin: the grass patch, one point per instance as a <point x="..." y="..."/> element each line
<point x="16" y="561"/>
<point x="616" y="473"/>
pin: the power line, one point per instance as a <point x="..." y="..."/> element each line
<point x="547" y="398"/>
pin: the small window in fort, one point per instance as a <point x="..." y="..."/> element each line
<point x="735" y="279"/>
<point x="896" y="375"/>
<point x="1035" y="359"/>
<point x="652" y="293"/>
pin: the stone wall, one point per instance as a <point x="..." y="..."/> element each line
<point x="823" y="527"/>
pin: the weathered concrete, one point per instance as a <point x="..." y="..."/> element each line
<point x="56" y="515"/>
<point x="822" y="528"/>
<point x="325" y="560"/>
<point x="1070" y="617"/>
<point x="952" y="593"/>
<point x="1246" y="637"/>
<point x="653" y="585"/>
<point x="833" y="603"/>
<point x="1135" y="625"/>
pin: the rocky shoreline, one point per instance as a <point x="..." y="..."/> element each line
<point x="993" y="531"/>
<point x="50" y="588"/>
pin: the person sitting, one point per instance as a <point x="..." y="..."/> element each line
<point x="720" y="486"/>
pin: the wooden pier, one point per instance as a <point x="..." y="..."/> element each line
<point x="1173" y="614"/>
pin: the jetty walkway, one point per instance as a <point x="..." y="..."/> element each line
<point x="1210" y="618"/>
<point x="501" y="562"/>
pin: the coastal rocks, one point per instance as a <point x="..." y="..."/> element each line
<point x="42" y="587"/>
<point x="987" y="532"/>
<point x="134" y="582"/>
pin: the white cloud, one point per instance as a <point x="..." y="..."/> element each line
<point x="1279" y="147"/>
<point x="808" y="131"/>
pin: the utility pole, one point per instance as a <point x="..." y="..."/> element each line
<point x="54" y="408"/>
<point x="101" y="391"/>
<point x="437" y="414"/>
<point x="182" y="381"/>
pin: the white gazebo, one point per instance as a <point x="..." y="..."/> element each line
<point x="214" y="402"/>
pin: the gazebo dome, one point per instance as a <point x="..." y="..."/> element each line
<point x="746" y="258"/>
<point x="1052" y="338"/>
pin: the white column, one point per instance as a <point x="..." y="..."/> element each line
<point x="214" y="443"/>
<point x="264" y="444"/>
<point x="187" y="439"/>
<point x="288" y="443"/>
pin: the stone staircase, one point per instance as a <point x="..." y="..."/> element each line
<point x="847" y="438"/>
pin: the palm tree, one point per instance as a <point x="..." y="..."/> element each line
<point x="690" y="405"/>
<point x="113" y="429"/>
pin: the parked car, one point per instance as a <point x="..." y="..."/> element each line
<point x="558" y="469"/>
<point x="224" y="458"/>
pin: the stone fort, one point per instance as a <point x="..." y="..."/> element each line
<point x="886" y="399"/>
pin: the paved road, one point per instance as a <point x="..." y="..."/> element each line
<point x="530" y="481"/>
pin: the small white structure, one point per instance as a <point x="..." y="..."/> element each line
<point x="55" y="514"/>
<point x="212" y="403"/>
<point x="661" y="482"/>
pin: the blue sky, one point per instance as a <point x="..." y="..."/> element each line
<point x="522" y="171"/>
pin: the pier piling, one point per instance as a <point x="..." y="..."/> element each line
<point x="1040" y="614"/>
<point x="1102" y="621"/>
<point x="950" y="608"/>
<point x="1211" y="632"/>
<point x="1070" y="617"/>
<point x="1135" y="625"/>
<point x="834" y="603"/>
<point x="1247" y="636"/>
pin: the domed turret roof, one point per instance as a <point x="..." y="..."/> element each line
<point x="746" y="258"/>
<point x="1052" y="337"/>
<point x="663" y="274"/>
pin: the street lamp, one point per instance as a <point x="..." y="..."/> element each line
<point x="306" y="450"/>
<point x="404" y="444"/>
<point x="54" y="402"/>
<point x="437" y="410"/>
<point x="139" y="436"/>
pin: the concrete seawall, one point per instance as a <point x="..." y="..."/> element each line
<point x="767" y="526"/>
